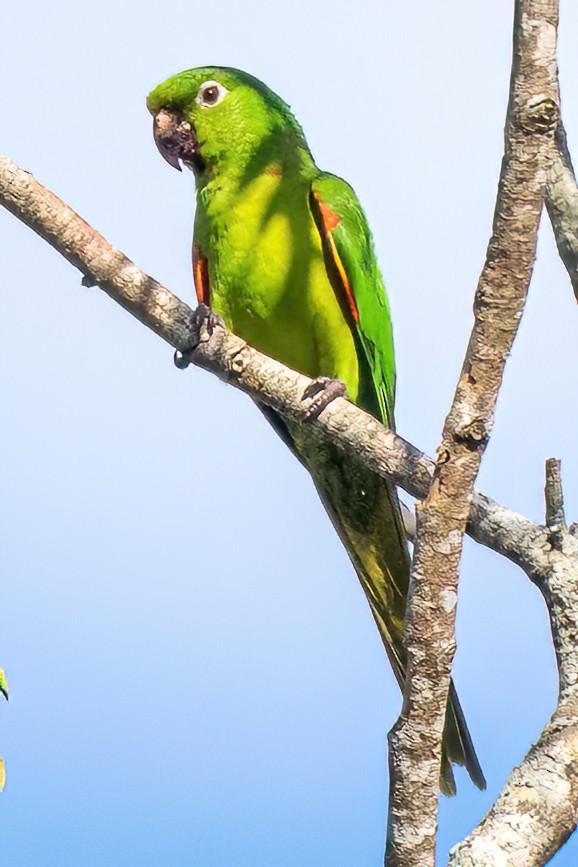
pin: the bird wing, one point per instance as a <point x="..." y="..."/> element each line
<point x="357" y="282"/>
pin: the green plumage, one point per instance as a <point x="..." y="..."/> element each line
<point x="283" y="252"/>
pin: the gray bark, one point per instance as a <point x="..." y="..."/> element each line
<point x="415" y="740"/>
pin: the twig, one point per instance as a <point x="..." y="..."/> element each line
<point x="555" y="518"/>
<point x="415" y="741"/>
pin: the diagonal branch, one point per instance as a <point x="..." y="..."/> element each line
<point x="233" y="361"/>
<point x="415" y="741"/>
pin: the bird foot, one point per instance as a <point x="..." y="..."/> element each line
<point x="322" y="390"/>
<point x="203" y="324"/>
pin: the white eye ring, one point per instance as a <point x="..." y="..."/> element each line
<point x="210" y="94"/>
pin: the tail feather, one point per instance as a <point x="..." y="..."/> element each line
<point x="457" y="743"/>
<point x="367" y="516"/>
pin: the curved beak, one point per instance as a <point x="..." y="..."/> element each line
<point x="175" y="138"/>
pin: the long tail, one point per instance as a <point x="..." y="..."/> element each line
<point x="458" y="746"/>
<point x="367" y="516"/>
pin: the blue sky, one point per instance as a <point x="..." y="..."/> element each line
<point x="195" y="676"/>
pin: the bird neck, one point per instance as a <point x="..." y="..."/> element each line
<point x="279" y="154"/>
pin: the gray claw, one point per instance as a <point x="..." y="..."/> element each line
<point x="203" y="324"/>
<point x="324" y="390"/>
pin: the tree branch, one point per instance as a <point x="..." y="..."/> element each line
<point x="562" y="205"/>
<point x="232" y="360"/>
<point x="555" y="517"/>
<point x="415" y="741"/>
<point x="536" y="811"/>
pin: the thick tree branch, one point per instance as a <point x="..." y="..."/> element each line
<point x="536" y="812"/>
<point x="415" y="741"/>
<point x="232" y="360"/>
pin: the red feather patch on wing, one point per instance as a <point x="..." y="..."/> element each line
<point x="329" y="221"/>
<point x="201" y="276"/>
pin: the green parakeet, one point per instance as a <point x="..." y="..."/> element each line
<point x="282" y="251"/>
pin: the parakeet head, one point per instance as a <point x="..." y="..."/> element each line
<point x="216" y="118"/>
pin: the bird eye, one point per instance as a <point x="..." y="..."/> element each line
<point x="211" y="93"/>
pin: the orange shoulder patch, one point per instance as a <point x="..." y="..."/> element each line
<point x="329" y="217"/>
<point x="330" y="220"/>
<point x="201" y="276"/>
